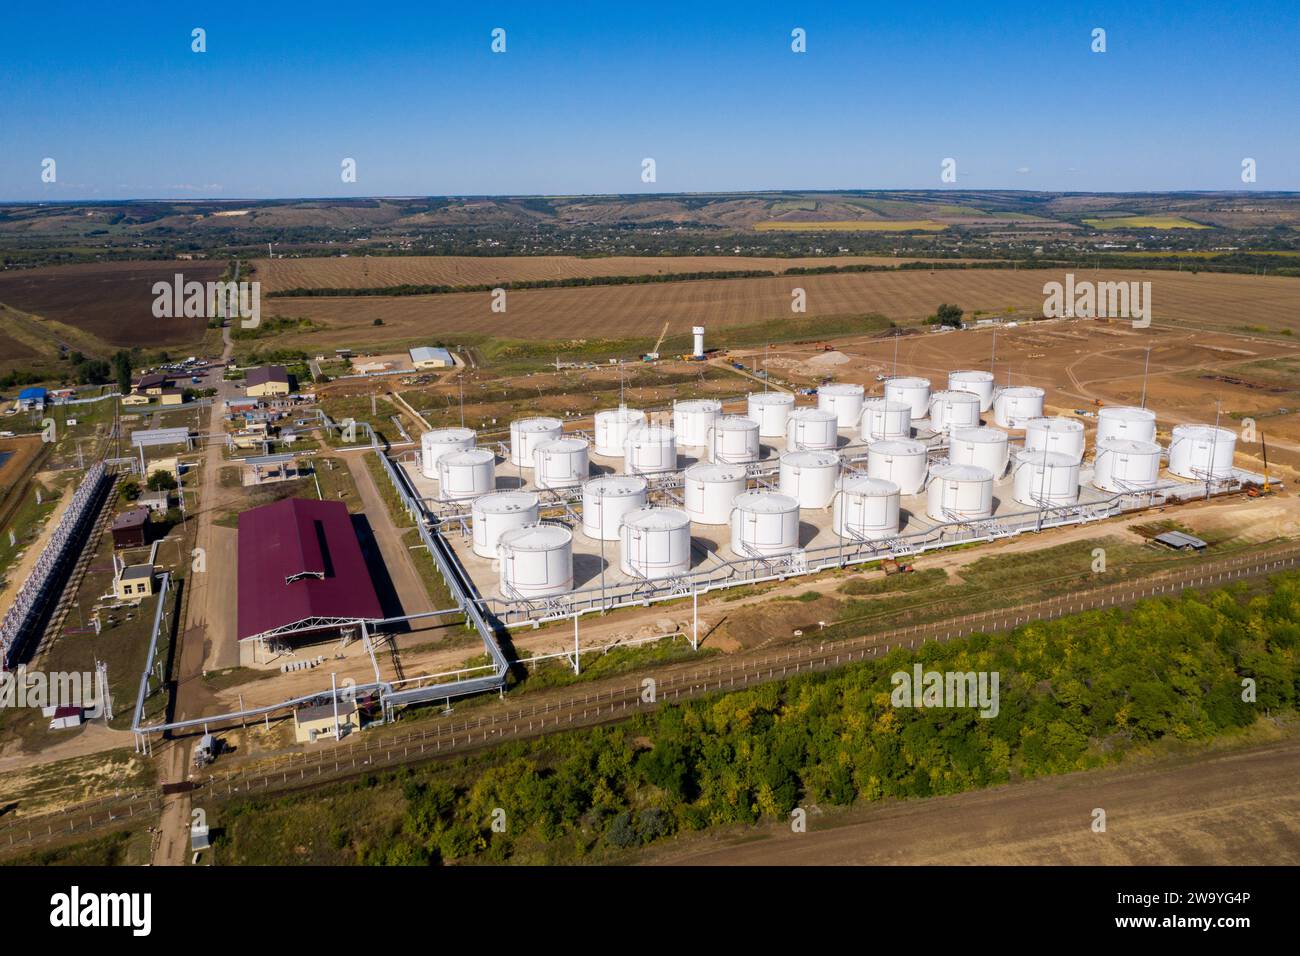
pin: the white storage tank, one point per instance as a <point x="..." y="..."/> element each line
<point x="612" y="426"/>
<point x="536" y="561"/>
<point x="882" y="418"/>
<point x="960" y="493"/>
<point x="710" y="490"/>
<point x="770" y="410"/>
<point x="561" y="463"/>
<point x="903" y="461"/>
<point x="467" y="474"/>
<point x="950" y="409"/>
<point x="1055" y="433"/>
<point x="811" y="429"/>
<point x="1045" y="478"/>
<point x="606" y="500"/>
<point x="975" y="382"/>
<point x="809" y="477"/>
<point x="1014" y="406"/>
<point x="733" y="440"/>
<point x="764" y="523"/>
<point x="1125" y="421"/>
<point x="527" y="433"/>
<point x="914" y="392"/>
<point x="693" y="419"/>
<point x="495" y="514"/>
<point x="845" y="400"/>
<point x="865" y="508"/>
<point x="984" y="446"/>
<point x="1201" y="452"/>
<point x="656" y="543"/>
<point x="650" y="450"/>
<point x="1124" y="464"/>
<point x="440" y="441"/>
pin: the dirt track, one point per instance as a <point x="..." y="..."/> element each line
<point x="1222" y="808"/>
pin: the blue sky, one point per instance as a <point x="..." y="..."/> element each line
<point x="584" y="92"/>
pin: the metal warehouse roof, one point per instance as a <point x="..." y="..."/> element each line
<point x="300" y="565"/>
<point x="426" y="353"/>
<point x="32" y="393"/>
<point x="160" y="436"/>
<point x="1177" y="539"/>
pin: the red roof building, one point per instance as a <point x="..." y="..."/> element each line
<point x="301" y="569"/>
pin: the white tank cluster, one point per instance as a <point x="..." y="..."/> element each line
<point x="606" y="500"/>
<point x="954" y="409"/>
<point x="882" y="418"/>
<point x="536" y="561"/>
<point x="1124" y="421"/>
<point x="809" y="477"/>
<point x="984" y="446"/>
<point x="650" y="450"/>
<point x="434" y="444"/>
<point x="912" y="391"/>
<point x="903" y="461"/>
<point x="495" y="514"/>
<point x="561" y="463"/>
<point x="975" y="382"/>
<point x="845" y="400"/>
<point x="1055" y="433"/>
<point x="960" y="493"/>
<point x="1045" y="478"/>
<point x="656" y="543"/>
<point x="764" y="524"/>
<point x="1201" y="452"/>
<point x="811" y="429"/>
<point x="866" y="508"/>
<point x="468" y="473"/>
<point x="612" y="426"/>
<point x="1125" y="464"/>
<point x="527" y="433"/>
<point x="1017" y="404"/>
<point x="733" y="440"/>
<point x="710" y="490"/>
<point x="770" y="410"/>
<point x="693" y="419"/>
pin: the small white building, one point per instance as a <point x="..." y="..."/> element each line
<point x="429" y="357"/>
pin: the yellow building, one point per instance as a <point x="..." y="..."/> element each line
<point x="312" y="723"/>
<point x="267" y="381"/>
<point x="169" y="465"/>
<point x="133" y="582"/>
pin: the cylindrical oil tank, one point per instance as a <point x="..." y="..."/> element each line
<point x="1125" y="464"/>
<point x="915" y="392"/>
<point x="497" y="513"/>
<point x="983" y="446"/>
<point x="650" y="450"/>
<point x="561" y="463"/>
<point x="811" y="429"/>
<point x="954" y="409"/>
<point x="1017" y="404"/>
<point x="959" y="493"/>
<point x="467" y="474"/>
<point x="527" y="433"/>
<point x="606" y="500"/>
<point x="440" y="441"/>
<point x="693" y="419"/>
<point x="709" y="491"/>
<point x="900" y="460"/>
<point x="845" y="400"/>
<point x="536" y="561"/>
<point x="1055" y="433"/>
<point x="1125" y="421"/>
<point x="733" y="440"/>
<point x="764" y="523"/>
<point x="975" y="382"/>
<point x="612" y="426"/>
<point x="770" y="410"/>
<point x="1045" y="478"/>
<point x="655" y="543"/>
<point x="1201" y="451"/>
<point x="809" y="477"/>
<point x="882" y="418"/>
<point x="865" y="508"/>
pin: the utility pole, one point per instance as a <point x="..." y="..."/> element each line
<point x="1145" y="369"/>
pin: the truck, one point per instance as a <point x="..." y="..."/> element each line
<point x="206" y="751"/>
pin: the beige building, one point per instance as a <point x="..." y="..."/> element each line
<point x="133" y="582"/>
<point x="427" y="357"/>
<point x="169" y="465"/>
<point x="312" y="723"/>
<point x="267" y="381"/>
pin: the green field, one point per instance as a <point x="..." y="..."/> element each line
<point x="854" y="225"/>
<point x="1144" y="222"/>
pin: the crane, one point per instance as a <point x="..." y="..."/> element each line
<point x="654" y="353"/>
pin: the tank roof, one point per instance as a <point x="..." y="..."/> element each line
<point x="1127" y="412"/>
<point x="503" y="502"/>
<point x="911" y="381"/>
<point x="467" y="456"/>
<point x="657" y="519"/>
<point x="971" y="375"/>
<point x="864" y="485"/>
<point x="982" y="433"/>
<point x="715" y="471"/>
<point x="766" y="502"/>
<point x="841" y="388"/>
<point x="1131" y="445"/>
<point x="1055" y="423"/>
<point x="447" y="434"/>
<point x="613" y="486"/>
<point x="812" y="458"/>
<point x="963" y="472"/>
<point x="897" y="446"/>
<point x="536" y="537"/>
<point x="771" y="398"/>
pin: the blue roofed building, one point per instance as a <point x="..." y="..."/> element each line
<point x="30" y="398"/>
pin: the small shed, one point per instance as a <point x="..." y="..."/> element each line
<point x="318" y="721"/>
<point x="1181" y="541"/>
<point x="131" y="528"/>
